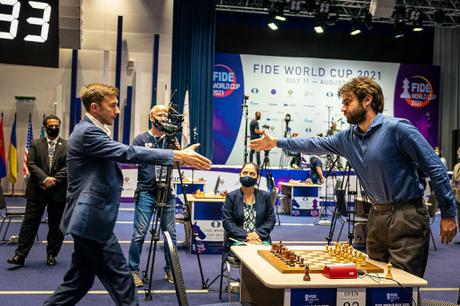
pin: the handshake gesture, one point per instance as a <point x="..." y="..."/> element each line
<point x="191" y="158"/>
<point x="267" y="142"/>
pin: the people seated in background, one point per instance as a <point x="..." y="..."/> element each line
<point x="316" y="170"/>
<point x="438" y="152"/>
<point x="456" y="187"/>
<point x="248" y="213"/>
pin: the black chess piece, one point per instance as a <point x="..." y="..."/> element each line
<point x="306" y="277"/>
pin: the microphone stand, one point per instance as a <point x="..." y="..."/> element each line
<point x="244" y="105"/>
<point x="194" y="137"/>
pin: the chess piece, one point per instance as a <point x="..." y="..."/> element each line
<point x="389" y="275"/>
<point x="306" y="277"/>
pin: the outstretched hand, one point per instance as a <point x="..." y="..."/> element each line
<point x="267" y="142"/>
<point x="191" y="158"/>
<point x="448" y="229"/>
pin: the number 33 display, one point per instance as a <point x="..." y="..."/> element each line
<point x="29" y="32"/>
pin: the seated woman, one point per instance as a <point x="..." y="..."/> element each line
<point x="248" y="213"/>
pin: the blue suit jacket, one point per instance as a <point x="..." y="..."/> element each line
<point x="95" y="180"/>
<point x="233" y="217"/>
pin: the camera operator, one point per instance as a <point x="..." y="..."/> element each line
<point x="145" y="199"/>
<point x="255" y="134"/>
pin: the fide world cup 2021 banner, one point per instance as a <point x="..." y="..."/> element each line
<point x="304" y="90"/>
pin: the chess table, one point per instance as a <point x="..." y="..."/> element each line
<point x="263" y="284"/>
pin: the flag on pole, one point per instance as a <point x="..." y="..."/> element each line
<point x="13" y="155"/>
<point x="185" y="141"/>
<point x="25" y="169"/>
<point x="42" y="129"/>
<point x="2" y="151"/>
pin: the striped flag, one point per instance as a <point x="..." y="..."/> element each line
<point x="25" y="169"/>
<point x="2" y="151"/>
<point x="42" y="129"/>
<point x="185" y="140"/>
<point x="13" y="155"/>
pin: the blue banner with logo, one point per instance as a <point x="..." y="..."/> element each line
<point x="417" y="98"/>
<point x="314" y="297"/>
<point x="397" y="296"/>
<point x="228" y="92"/>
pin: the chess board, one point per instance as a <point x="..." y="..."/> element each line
<point x="207" y="195"/>
<point x="316" y="259"/>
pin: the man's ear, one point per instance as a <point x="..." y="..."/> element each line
<point x="367" y="102"/>
<point x="93" y="107"/>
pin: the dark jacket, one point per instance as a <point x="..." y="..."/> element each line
<point x="96" y="181"/>
<point x="233" y="216"/>
<point x="39" y="168"/>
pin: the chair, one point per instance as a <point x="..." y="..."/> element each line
<point x="345" y="213"/>
<point x="228" y="262"/>
<point x="432" y="206"/>
<point x="8" y="214"/>
<point x="274" y="197"/>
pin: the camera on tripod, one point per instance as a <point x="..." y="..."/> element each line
<point x="172" y="126"/>
<point x="287" y="118"/>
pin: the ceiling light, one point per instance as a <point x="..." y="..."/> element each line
<point x="280" y="18"/>
<point x="319" y="29"/>
<point x="272" y="26"/>
<point x="355" y="26"/>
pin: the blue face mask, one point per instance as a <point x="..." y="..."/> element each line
<point x="247" y="181"/>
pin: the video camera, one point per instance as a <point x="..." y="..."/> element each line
<point x="287" y="118"/>
<point x="172" y="126"/>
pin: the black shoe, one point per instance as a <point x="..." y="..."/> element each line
<point x="16" y="260"/>
<point x="51" y="261"/>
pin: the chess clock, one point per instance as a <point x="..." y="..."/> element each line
<point x="29" y="32"/>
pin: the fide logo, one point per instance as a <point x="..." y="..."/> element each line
<point x="215" y="224"/>
<point x="225" y="81"/>
<point x="417" y="91"/>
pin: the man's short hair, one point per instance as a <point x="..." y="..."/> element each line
<point x="363" y="87"/>
<point x="157" y="107"/>
<point x="96" y="93"/>
<point x="49" y="117"/>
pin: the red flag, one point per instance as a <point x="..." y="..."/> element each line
<point x="2" y="151"/>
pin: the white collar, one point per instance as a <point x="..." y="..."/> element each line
<point x="99" y="124"/>
<point x="54" y="141"/>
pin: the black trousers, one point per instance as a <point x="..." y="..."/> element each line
<point x="400" y="234"/>
<point x="251" y="156"/>
<point x="29" y="227"/>
<point x="90" y="259"/>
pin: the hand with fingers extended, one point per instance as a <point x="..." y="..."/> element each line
<point x="191" y="158"/>
<point x="267" y="142"/>
<point x="448" y="229"/>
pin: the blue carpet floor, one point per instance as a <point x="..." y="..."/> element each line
<point x="31" y="284"/>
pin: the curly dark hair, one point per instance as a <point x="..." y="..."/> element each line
<point x="363" y="87"/>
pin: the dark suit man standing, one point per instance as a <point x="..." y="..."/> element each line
<point x="94" y="188"/>
<point x="46" y="188"/>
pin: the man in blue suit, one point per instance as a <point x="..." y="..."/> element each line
<point x="94" y="186"/>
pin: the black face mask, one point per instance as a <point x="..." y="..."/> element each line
<point x="52" y="133"/>
<point x="247" y="181"/>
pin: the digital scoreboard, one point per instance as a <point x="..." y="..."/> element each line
<point x="29" y="32"/>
